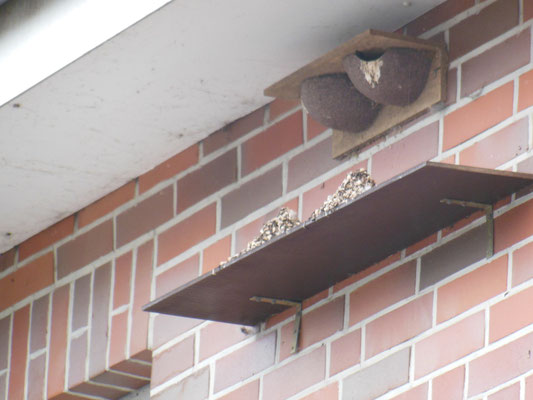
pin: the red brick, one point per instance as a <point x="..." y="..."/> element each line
<point x="206" y="180"/>
<point x="442" y="348"/>
<point x="193" y="387"/>
<point x="528" y="10"/>
<point x="36" y="374"/>
<point x="498" y="148"/>
<point x="272" y="143"/>
<point x="419" y="146"/>
<point x="451" y="88"/>
<point x="345" y="352"/>
<point x="316" y="325"/>
<point x="310" y="164"/>
<point x="145" y="216"/>
<point x="27" y="280"/>
<point x="133" y="367"/>
<point x="124" y="381"/>
<point x="418" y="393"/>
<point x="449" y="385"/>
<point x="141" y="296"/>
<point x="7" y="259"/>
<point x="173" y="361"/>
<point x="281" y="106"/>
<point x="399" y="325"/>
<point x="218" y="336"/>
<point x="167" y="327"/>
<point x="171" y="167"/>
<point x="421" y="244"/>
<point x="186" y="234"/>
<point x="143" y="355"/>
<point x="107" y="392"/>
<point x="39" y="323"/>
<point x="58" y="342"/>
<point x="330" y="392"/>
<point x="77" y="360"/>
<point x="382" y="292"/>
<point x="295" y="376"/>
<point x="511" y="315"/>
<point x="479" y="28"/>
<point x="84" y="249"/>
<point x="178" y="275"/>
<point x="314" y="128"/>
<point x="46" y="238"/>
<point x="495" y="63"/>
<point x="462" y="223"/>
<point x="500" y="365"/>
<point x="437" y="15"/>
<point x="472" y="289"/>
<point x="245" y="362"/>
<point x="250" y="196"/>
<point x="522" y="265"/>
<point x="19" y="353"/>
<point x="81" y="302"/>
<point x="233" y="131"/>
<point x="216" y="253"/>
<point x="249" y="391"/>
<point x="525" y="90"/>
<point x="100" y="319"/>
<point x="106" y="204"/>
<point x="3" y="384"/>
<point x="513" y="226"/>
<point x="529" y="388"/>
<point x="5" y="329"/>
<point x="509" y="393"/>
<point x="481" y="114"/>
<point x="69" y="396"/>
<point x="118" y="338"/>
<point x="122" y="286"/>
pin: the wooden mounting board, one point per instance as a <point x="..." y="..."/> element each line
<point x="345" y="143"/>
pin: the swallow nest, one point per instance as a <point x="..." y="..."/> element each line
<point x="352" y="186"/>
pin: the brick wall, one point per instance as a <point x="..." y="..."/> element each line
<point x="434" y="321"/>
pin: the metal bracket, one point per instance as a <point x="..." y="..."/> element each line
<point x="489" y="214"/>
<point x="297" y="319"/>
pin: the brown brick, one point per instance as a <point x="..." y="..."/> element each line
<point x="36" y="376"/>
<point x="142" y="287"/>
<point x="39" y="323"/>
<point x="418" y="393"/>
<point x="124" y="381"/>
<point x="106" y="204"/>
<point x="100" y="319"/>
<point x="525" y="90"/>
<point x="500" y="365"/>
<point x="472" y="289"/>
<point x="437" y="15"/>
<point x="216" y="253"/>
<point x="121" y="291"/>
<point x="345" y="352"/>
<point x="317" y="325"/>
<point x="245" y="362"/>
<point x="58" y="341"/>
<point x="193" y="387"/>
<point x="449" y="385"/>
<point x="399" y="325"/>
<point x="145" y="216"/>
<point x="509" y="393"/>
<point x="186" y="234"/>
<point x="481" y="114"/>
<point x="84" y="249"/>
<point x="272" y="143"/>
<point x="107" y="392"/>
<point x="7" y="259"/>
<point x="208" y="179"/>
<point x="250" y="391"/>
<point x="251" y="196"/>
<point x="5" y="329"/>
<point x="133" y="367"/>
<point x="443" y="347"/>
<point x="451" y="87"/>
<point x="379" y="378"/>
<point x="218" y="336"/>
<point x="173" y="361"/>
<point x="77" y="360"/>
<point x="310" y="164"/>
<point x="529" y="388"/>
<point x="3" y="385"/>
<point x="281" y="106"/>
<point x="118" y="338"/>
<point x="171" y="167"/>
<point x="453" y="256"/>
<point x="233" y="131"/>
<point x="82" y="296"/>
<point x="27" y="280"/>
<point x="419" y="146"/>
<point x="178" y="275"/>
<point x="498" y="148"/>
<point x="477" y="29"/>
<point x="382" y="292"/>
<point x="511" y="314"/>
<point x="46" y="238"/>
<point x="295" y="376"/>
<point x="522" y="266"/>
<point x="19" y="353"/>
<point x="314" y="128"/>
<point x="513" y="226"/>
<point x="528" y="10"/>
<point x="167" y="327"/>
<point x="495" y="63"/>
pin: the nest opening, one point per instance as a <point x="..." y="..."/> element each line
<point x="370" y="55"/>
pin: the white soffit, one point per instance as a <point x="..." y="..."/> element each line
<point x="161" y="85"/>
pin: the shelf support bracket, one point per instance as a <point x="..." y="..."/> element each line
<point x="297" y="319"/>
<point x="489" y="214"/>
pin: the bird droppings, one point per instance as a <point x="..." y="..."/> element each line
<point x="372" y="71"/>
<point x="352" y="186"/>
